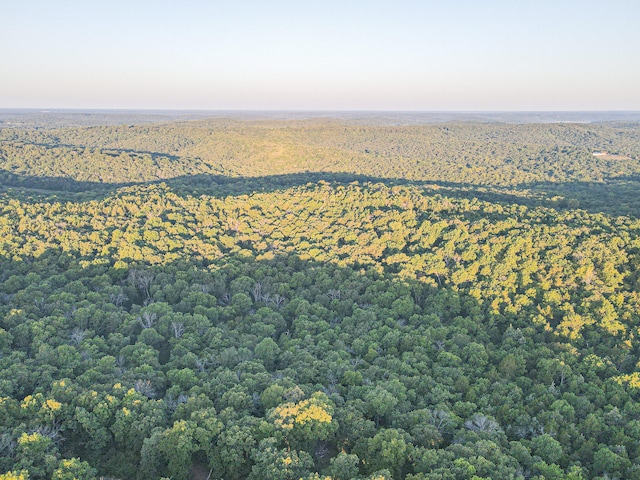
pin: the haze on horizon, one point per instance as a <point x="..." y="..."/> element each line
<point x="321" y="55"/>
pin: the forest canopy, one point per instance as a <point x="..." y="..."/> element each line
<point x="313" y="299"/>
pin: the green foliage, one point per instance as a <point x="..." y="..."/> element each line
<point x="361" y="322"/>
<point x="74" y="469"/>
<point x="12" y="475"/>
<point x="279" y="464"/>
<point x="344" y="466"/>
<point x="547" y="448"/>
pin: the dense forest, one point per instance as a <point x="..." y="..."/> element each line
<point x="319" y="299"/>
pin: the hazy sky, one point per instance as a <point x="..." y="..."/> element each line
<point x="326" y="55"/>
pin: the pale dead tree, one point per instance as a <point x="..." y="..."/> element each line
<point x="563" y="375"/>
<point x="40" y="303"/>
<point x="523" y="473"/>
<point x="255" y="402"/>
<point x="147" y="319"/>
<point x="329" y="390"/>
<point x="7" y="446"/>
<point x="118" y="299"/>
<point x="482" y="424"/>
<point x="278" y="300"/>
<point x="201" y="365"/>
<point x="51" y="431"/>
<point x="526" y="431"/>
<point x="171" y="404"/>
<point x="120" y="363"/>
<point x="418" y="296"/>
<point x="144" y="387"/>
<point x="440" y="419"/>
<point x="515" y="334"/>
<point x="77" y="336"/>
<point x="540" y="430"/>
<point x="356" y="361"/>
<point x="142" y="280"/>
<point x="332" y="382"/>
<point x="256" y="292"/>
<point x="334" y="294"/>
<point x="178" y="329"/>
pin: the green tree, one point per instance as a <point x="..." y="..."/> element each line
<point x="74" y="469"/>
<point x="547" y="448"/>
<point x="344" y="466"/>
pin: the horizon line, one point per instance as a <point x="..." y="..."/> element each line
<point x="284" y="110"/>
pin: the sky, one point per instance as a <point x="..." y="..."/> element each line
<point x="445" y="55"/>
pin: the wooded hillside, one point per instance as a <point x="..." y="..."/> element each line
<point x="315" y="299"/>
